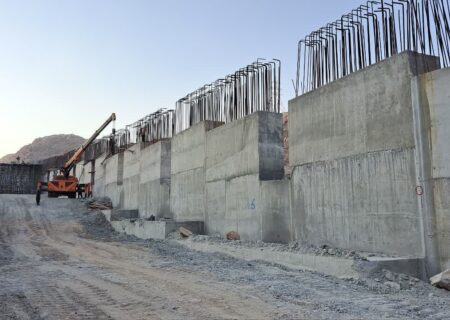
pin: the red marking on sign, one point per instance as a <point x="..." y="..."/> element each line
<point x="419" y="191"/>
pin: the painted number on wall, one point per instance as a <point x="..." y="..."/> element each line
<point x="252" y="204"/>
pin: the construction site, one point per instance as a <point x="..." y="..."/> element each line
<point x="228" y="207"/>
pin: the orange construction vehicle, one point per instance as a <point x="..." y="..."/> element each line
<point x="64" y="184"/>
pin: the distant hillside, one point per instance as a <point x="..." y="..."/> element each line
<point x="46" y="147"/>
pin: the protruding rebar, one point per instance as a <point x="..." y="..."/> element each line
<point x="371" y="33"/>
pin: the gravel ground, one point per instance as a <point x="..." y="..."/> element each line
<point x="328" y="297"/>
<point x="61" y="261"/>
<point x="380" y="295"/>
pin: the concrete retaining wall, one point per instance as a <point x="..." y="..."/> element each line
<point x="370" y="168"/>
<point x="352" y="145"/>
<point x="131" y="177"/>
<point x="187" y="184"/>
<point x="154" y="185"/>
<point x="434" y="96"/>
<point x="241" y="158"/>
<point x="19" y="178"/>
<point x="136" y="179"/>
<point x="99" y="183"/>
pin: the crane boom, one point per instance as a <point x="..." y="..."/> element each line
<point x="77" y="155"/>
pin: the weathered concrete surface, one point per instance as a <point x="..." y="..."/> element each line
<point x="332" y="266"/>
<point x="154" y="184"/>
<point x="187" y="184"/>
<point x="131" y="177"/>
<point x="121" y="214"/>
<point x="352" y="144"/>
<point x="100" y="174"/>
<point x="144" y="229"/>
<point x="442" y="207"/>
<point x="19" y="178"/>
<point x="434" y="99"/>
<point x="401" y="265"/>
<point x="367" y="111"/>
<point x="364" y="202"/>
<point x="113" y="185"/>
<point x="252" y="145"/>
<point x="242" y="158"/>
<point x="257" y="210"/>
<point x="275" y="208"/>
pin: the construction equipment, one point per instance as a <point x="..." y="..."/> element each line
<point x="65" y="184"/>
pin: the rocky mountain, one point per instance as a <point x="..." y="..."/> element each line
<point x="44" y="148"/>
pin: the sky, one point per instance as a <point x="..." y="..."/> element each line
<point x="65" y="66"/>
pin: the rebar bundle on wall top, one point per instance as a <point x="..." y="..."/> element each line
<point x="255" y="87"/>
<point x="371" y="33"/>
<point x="152" y="128"/>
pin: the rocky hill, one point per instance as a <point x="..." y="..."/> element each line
<point x="44" y="148"/>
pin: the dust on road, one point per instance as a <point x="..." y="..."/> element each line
<point x="58" y="261"/>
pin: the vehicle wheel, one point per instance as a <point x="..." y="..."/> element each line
<point x="51" y="195"/>
<point x="72" y="195"/>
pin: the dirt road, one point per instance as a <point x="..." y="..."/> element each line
<point x="53" y="267"/>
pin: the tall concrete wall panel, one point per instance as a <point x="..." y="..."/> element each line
<point x="258" y="210"/>
<point x="270" y="146"/>
<point x="437" y="94"/>
<point x="241" y="159"/>
<point x="187" y="195"/>
<point x="232" y="150"/>
<point x="113" y="187"/>
<point x="367" y="111"/>
<point x="365" y="202"/>
<point x="442" y="208"/>
<point x="100" y="173"/>
<point x="352" y="144"/>
<point x="187" y="184"/>
<point x="252" y="145"/>
<point x="275" y="208"/>
<point x="242" y="206"/>
<point x="435" y="105"/>
<point x="131" y="177"/>
<point x="154" y="185"/>
<point x="19" y="178"/>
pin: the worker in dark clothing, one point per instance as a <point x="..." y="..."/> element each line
<point x="88" y="191"/>
<point x="38" y="194"/>
<point x="80" y="191"/>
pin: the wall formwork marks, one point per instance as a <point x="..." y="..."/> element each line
<point x="355" y="155"/>
<point x="19" y="178"/>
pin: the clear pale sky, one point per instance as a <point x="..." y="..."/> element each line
<point x="66" y="65"/>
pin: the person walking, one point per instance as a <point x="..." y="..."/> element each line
<point x="80" y="192"/>
<point x="38" y="194"/>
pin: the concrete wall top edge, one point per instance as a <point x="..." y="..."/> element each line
<point x="369" y="110"/>
<point x="250" y="145"/>
<point x="410" y="54"/>
<point x="435" y="108"/>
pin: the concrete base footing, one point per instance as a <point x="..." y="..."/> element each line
<point x="158" y="230"/>
<point x="412" y="266"/>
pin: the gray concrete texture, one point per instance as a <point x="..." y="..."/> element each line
<point x="187" y="183"/>
<point x="367" y="111"/>
<point x="358" y="148"/>
<point x="19" y="178"/>
<point x="154" y="187"/>
<point x="434" y="100"/>
<point x="352" y="145"/>
<point x="137" y="179"/>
